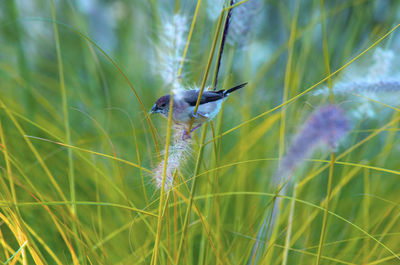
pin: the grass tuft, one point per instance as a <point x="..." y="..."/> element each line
<point x="299" y="167"/>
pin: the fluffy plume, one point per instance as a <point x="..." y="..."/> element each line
<point x="179" y="151"/>
<point x="369" y="87"/>
<point x="381" y="67"/>
<point x="242" y="21"/>
<point x="170" y="50"/>
<point x="326" y="126"/>
<point x="376" y="82"/>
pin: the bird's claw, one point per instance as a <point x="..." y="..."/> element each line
<point x="186" y="135"/>
<point x="194" y="115"/>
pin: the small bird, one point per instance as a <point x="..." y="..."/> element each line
<point x="185" y="103"/>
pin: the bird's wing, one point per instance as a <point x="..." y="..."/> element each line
<point x="191" y="96"/>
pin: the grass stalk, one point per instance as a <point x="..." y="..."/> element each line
<point x="16" y="254"/>
<point x="222" y="46"/>
<point x="189" y="38"/>
<point x="333" y="157"/>
<point x="289" y="230"/>
<point x="288" y="74"/>
<point x="366" y="206"/>
<point x="64" y="108"/>
<point x="162" y="195"/>
<point x="192" y="192"/>
<point x="8" y="165"/>
<point x="326" y="210"/>
<point x="71" y="173"/>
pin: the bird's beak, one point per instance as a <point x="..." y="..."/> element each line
<point x="154" y="109"/>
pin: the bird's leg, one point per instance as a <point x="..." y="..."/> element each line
<point x="197" y="126"/>
<point x="187" y="135"/>
<point x="194" y="115"/>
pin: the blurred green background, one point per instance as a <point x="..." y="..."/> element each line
<point x="71" y="126"/>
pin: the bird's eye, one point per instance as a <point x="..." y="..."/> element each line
<point x="163" y="105"/>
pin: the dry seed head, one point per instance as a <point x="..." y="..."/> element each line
<point x="179" y="151"/>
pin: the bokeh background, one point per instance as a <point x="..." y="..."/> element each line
<point x="78" y="76"/>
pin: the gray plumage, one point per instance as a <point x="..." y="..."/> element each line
<point x="185" y="102"/>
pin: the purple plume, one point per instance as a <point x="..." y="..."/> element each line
<point x="327" y="126"/>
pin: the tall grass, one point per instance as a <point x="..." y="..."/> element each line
<point x="79" y="152"/>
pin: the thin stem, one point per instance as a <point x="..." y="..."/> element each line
<point x="65" y="108"/>
<point x="8" y="165"/>
<point x="192" y="191"/>
<point x="326" y="51"/>
<point x="222" y="45"/>
<point x="289" y="230"/>
<point x="160" y="207"/>
<point x="333" y="157"/>
<point x="189" y="37"/>
<point x="287" y="79"/>
<point x="71" y="174"/>
<point x="326" y="209"/>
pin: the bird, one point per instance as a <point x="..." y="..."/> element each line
<point x="185" y="102"/>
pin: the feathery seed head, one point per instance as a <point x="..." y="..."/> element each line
<point x="383" y="61"/>
<point x="376" y="82"/>
<point x="326" y="126"/>
<point x="361" y="87"/>
<point x="178" y="153"/>
<point x="170" y="50"/>
<point x="329" y="123"/>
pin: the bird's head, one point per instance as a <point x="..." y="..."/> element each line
<point x="161" y="106"/>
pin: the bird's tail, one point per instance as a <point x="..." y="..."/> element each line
<point x="234" y="88"/>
